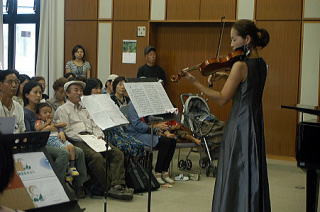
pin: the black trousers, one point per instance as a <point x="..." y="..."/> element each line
<point x="166" y="148"/>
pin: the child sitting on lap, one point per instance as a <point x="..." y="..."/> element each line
<point x="57" y="137"/>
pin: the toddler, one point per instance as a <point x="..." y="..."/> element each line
<point x="57" y="137"/>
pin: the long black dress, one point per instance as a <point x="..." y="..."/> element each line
<point x="242" y="180"/>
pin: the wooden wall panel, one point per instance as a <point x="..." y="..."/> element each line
<point x="85" y="34"/>
<point x="131" y="9"/>
<point x="81" y="9"/>
<point x="186" y="9"/>
<point x="126" y="30"/>
<point x="278" y="10"/>
<point x="282" y="86"/>
<point x="181" y="45"/>
<point x="216" y="9"/>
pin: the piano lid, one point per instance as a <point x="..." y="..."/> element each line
<point x="314" y="110"/>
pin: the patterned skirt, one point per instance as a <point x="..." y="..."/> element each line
<point x="129" y="145"/>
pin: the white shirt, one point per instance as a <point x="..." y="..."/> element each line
<point x="77" y="119"/>
<point x="16" y="111"/>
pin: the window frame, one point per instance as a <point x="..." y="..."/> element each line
<point x="12" y="18"/>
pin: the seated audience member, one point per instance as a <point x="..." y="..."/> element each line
<point x="6" y="171"/>
<point x="129" y="145"/>
<point x="166" y="145"/>
<point x="69" y="76"/>
<point x="93" y="86"/>
<point x="9" y="84"/>
<point x="108" y="85"/>
<point x="119" y="90"/>
<point x="32" y="93"/>
<point x="23" y="78"/>
<point x="78" y="65"/>
<point x="42" y="82"/>
<point x="80" y="122"/>
<point x="45" y="123"/>
<point x="59" y="97"/>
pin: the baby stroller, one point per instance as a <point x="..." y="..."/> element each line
<point x="205" y="126"/>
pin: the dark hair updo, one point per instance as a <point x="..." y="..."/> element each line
<point x="260" y="37"/>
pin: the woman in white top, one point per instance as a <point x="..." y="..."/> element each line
<point x="78" y="65"/>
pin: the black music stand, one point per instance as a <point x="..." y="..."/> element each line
<point x="35" y="142"/>
<point x="151" y="120"/>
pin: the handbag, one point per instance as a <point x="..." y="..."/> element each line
<point x="137" y="177"/>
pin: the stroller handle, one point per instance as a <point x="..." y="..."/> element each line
<point x="183" y="96"/>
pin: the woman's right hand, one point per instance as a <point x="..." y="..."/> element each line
<point x="161" y="125"/>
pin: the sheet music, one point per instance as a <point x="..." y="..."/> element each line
<point x="103" y="111"/>
<point x="98" y="145"/>
<point x="148" y="98"/>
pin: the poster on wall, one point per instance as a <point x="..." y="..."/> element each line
<point x="129" y="51"/>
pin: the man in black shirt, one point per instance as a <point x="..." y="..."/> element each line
<point x="150" y="69"/>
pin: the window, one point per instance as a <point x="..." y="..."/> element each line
<point x="21" y="20"/>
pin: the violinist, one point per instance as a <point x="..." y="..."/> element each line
<point x="242" y="180"/>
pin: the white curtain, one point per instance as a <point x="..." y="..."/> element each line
<point x="50" y="63"/>
<point x="1" y="38"/>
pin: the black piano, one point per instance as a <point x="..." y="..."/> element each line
<point x="308" y="152"/>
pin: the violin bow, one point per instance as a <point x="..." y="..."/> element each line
<point x="219" y="41"/>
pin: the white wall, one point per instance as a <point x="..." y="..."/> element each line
<point x="310" y="65"/>
<point x="105" y="9"/>
<point x="104" y="50"/>
<point x="245" y="9"/>
<point x="311" y="9"/>
<point x="158" y="9"/>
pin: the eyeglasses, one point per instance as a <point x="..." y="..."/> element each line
<point x="11" y="82"/>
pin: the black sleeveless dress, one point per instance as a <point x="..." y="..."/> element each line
<point x="242" y="180"/>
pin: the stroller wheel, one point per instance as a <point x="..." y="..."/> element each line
<point x="210" y="169"/>
<point x="202" y="163"/>
<point x="188" y="164"/>
<point x="215" y="170"/>
<point x="182" y="164"/>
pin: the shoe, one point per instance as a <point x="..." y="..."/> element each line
<point x="73" y="171"/>
<point x="121" y="192"/>
<point x="69" y="178"/>
<point x="181" y="177"/>
<point x="80" y="193"/>
<point x="159" y="179"/>
<point x="194" y="177"/>
<point x="166" y="178"/>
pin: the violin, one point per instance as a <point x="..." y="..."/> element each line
<point x="213" y="65"/>
<point x="217" y="64"/>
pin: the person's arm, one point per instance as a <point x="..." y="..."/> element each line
<point x="68" y="68"/>
<point x="61" y="115"/>
<point x="162" y="75"/>
<point x="39" y="126"/>
<point x="60" y="124"/>
<point x="238" y="73"/>
<point x="140" y="72"/>
<point x="88" y="69"/>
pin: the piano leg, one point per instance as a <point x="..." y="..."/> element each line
<point x="312" y="190"/>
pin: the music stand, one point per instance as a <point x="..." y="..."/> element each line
<point x="36" y="142"/>
<point x="138" y="94"/>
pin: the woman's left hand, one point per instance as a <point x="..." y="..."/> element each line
<point x="189" y="76"/>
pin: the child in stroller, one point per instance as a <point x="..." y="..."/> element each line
<point x="205" y="126"/>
